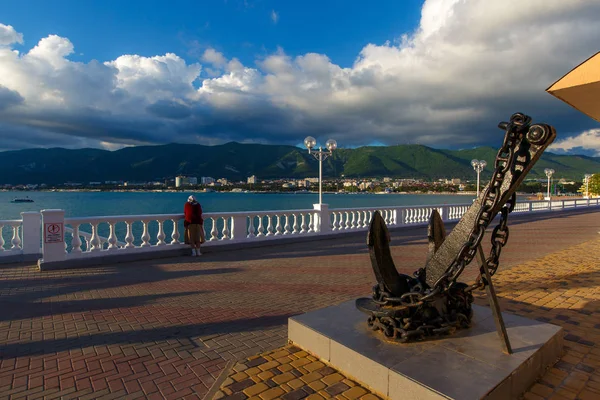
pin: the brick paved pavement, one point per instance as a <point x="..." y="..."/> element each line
<point x="166" y="329"/>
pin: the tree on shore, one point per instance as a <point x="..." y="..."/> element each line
<point x="594" y="185"/>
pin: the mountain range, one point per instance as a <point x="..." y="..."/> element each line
<point x="237" y="161"/>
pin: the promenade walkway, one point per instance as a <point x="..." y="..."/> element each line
<point x="169" y="328"/>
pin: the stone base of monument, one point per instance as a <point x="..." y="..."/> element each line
<point x="467" y="365"/>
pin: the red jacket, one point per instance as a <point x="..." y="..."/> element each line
<point x="193" y="213"/>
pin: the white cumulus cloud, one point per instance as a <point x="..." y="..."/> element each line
<point x="214" y="57"/>
<point x="274" y="16"/>
<point x="588" y="140"/>
<point x="8" y="35"/>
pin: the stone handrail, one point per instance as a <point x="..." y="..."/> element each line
<point x="130" y="234"/>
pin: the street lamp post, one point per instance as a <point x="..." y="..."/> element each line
<point x="478" y="166"/>
<point x="320" y="155"/>
<point x="586" y="178"/>
<point x="549" y="172"/>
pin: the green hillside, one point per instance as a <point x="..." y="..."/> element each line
<point x="237" y="161"/>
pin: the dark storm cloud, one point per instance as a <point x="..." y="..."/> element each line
<point x="169" y="109"/>
<point x="9" y="98"/>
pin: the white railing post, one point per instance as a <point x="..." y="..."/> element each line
<point x="445" y="213"/>
<point x="31" y="231"/>
<point x="175" y="233"/>
<point x="238" y="227"/>
<point x="53" y="236"/>
<point x="323" y="218"/>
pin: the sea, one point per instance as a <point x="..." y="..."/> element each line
<point x="88" y="204"/>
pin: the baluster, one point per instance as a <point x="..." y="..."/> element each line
<point x="269" y="226"/>
<point x="334" y="222"/>
<point x="287" y="228"/>
<point x="278" y="227"/>
<point x="225" y="228"/>
<point x="112" y="238"/>
<point x="348" y="221"/>
<point x="1" y="238"/>
<point x="16" y="240"/>
<point x="303" y="226"/>
<point x="251" y="227"/>
<point x="296" y="227"/>
<point x="145" y="235"/>
<point x="76" y="241"/>
<point x="261" y="228"/>
<point x="353" y="224"/>
<point x="160" y="237"/>
<point x="214" y="232"/>
<point x="311" y="223"/>
<point x="95" y="240"/>
<point x="175" y="234"/>
<point x="129" y="238"/>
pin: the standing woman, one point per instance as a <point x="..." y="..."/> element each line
<point x="194" y="225"/>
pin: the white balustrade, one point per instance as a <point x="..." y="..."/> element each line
<point x="14" y="226"/>
<point x="94" y="236"/>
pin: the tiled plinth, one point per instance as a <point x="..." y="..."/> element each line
<point x="467" y="365"/>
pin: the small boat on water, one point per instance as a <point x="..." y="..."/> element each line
<point x="22" y="200"/>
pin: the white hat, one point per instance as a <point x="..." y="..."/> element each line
<point x="191" y="199"/>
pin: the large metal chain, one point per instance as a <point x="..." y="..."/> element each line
<point x="505" y="160"/>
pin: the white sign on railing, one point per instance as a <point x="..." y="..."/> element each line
<point x="53" y="232"/>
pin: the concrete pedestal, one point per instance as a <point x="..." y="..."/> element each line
<point x="467" y="365"/>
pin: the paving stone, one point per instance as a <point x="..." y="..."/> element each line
<point x="256" y="389"/>
<point x="272" y="393"/>
<point x="295" y="395"/>
<point x="337" y="388"/>
<point x="162" y="319"/>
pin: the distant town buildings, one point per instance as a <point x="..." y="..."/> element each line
<point x="207" y="180"/>
<point x="252" y="180"/>
<point x="185" y="181"/>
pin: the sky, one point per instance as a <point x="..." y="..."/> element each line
<point x="441" y="73"/>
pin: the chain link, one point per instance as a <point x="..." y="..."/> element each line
<point x="505" y="161"/>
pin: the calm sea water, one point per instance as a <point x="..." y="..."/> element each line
<point x="84" y="204"/>
<point x="87" y="204"/>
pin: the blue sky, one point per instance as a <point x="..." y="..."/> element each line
<point x="104" y="30"/>
<point x="441" y="73"/>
